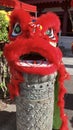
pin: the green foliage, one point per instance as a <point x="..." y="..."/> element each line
<point x="4" y="21"/>
<point x="56" y="118"/>
<point x="1" y="52"/>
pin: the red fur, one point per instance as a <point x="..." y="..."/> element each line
<point x="34" y="39"/>
<point x="19" y="15"/>
<point x="51" y="20"/>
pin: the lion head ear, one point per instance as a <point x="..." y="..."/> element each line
<point x="54" y="21"/>
<point x="49" y="20"/>
<point x="19" y="23"/>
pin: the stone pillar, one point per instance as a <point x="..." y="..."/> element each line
<point x="35" y="105"/>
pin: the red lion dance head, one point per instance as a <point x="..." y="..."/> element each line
<point x="33" y="49"/>
<point x="33" y="45"/>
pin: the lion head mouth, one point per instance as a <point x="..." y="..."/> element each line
<point x="34" y="60"/>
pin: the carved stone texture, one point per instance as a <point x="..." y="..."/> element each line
<point x="35" y="105"/>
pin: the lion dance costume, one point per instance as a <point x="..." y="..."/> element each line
<point x="37" y="40"/>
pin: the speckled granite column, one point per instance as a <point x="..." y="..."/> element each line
<point x="35" y="104"/>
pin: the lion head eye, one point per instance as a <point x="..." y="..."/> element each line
<point x="16" y="30"/>
<point x="50" y="33"/>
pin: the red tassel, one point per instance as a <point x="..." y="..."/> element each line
<point x="61" y="103"/>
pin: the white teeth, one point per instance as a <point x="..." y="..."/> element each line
<point x="33" y="65"/>
<point x="22" y="64"/>
<point x="53" y="44"/>
<point x="32" y="61"/>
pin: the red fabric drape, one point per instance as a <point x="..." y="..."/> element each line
<point x="17" y="3"/>
<point x="28" y="7"/>
<point x="9" y="3"/>
<point x="72" y="3"/>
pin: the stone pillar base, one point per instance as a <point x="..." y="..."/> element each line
<point x="35" y="105"/>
